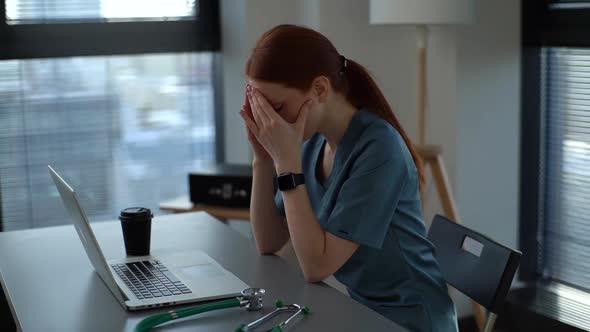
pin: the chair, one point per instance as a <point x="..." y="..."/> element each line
<point x="474" y="264"/>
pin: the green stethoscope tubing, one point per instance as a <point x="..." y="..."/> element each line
<point x="158" y="319"/>
<point x="155" y="320"/>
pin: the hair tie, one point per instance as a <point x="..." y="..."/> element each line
<point x="344" y="64"/>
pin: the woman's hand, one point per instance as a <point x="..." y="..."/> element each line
<point x="280" y="139"/>
<point x="260" y="154"/>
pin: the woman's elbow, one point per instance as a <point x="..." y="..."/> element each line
<point x="269" y="245"/>
<point x="314" y="276"/>
<point x="313" y="279"/>
<point x="265" y="246"/>
<point x="266" y="250"/>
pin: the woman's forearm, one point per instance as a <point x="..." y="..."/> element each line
<point x="270" y="232"/>
<point x="307" y="236"/>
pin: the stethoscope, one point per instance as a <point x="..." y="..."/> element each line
<point x="251" y="299"/>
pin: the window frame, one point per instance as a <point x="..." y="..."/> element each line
<point x="26" y="41"/>
<point x="541" y="27"/>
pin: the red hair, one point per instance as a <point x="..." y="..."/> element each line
<point x="294" y="56"/>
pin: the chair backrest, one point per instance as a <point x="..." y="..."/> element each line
<point x="476" y="265"/>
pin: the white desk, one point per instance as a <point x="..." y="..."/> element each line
<point x="51" y="285"/>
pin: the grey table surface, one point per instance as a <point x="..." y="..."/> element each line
<point x="52" y="286"/>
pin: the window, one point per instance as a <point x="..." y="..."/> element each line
<point x="124" y="124"/>
<point x="125" y="130"/>
<point x="555" y="146"/>
<point x="566" y="221"/>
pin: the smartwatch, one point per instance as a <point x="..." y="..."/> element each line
<point x="289" y="181"/>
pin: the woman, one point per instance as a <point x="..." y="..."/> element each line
<point x="348" y="179"/>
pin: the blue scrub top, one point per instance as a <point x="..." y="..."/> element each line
<point x="372" y="198"/>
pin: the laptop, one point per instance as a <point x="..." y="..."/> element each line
<point x="141" y="282"/>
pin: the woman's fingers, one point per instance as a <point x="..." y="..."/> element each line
<point x="251" y="138"/>
<point x="246" y="103"/>
<point x="246" y="107"/>
<point x="254" y="113"/>
<point x="248" y="131"/>
<point x="259" y="115"/>
<point x="265" y="107"/>
<point x="249" y="106"/>
<point x="250" y="125"/>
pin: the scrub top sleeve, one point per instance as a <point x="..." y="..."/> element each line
<point x="366" y="203"/>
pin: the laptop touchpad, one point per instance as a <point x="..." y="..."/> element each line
<point x="200" y="271"/>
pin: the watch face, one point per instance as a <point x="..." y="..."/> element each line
<point x="285" y="182"/>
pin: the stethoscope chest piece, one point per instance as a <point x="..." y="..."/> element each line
<point x="253" y="296"/>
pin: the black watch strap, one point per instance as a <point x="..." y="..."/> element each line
<point x="289" y="181"/>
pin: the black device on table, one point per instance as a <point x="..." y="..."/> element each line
<point x="228" y="185"/>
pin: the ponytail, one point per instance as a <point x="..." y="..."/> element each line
<point x="363" y="91"/>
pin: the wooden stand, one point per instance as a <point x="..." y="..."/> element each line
<point x="432" y="154"/>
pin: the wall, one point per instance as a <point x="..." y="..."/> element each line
<point x="234" y="50"/>
<point x="488" y="120"/>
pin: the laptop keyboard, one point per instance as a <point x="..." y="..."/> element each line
<point x="150" y="279"/>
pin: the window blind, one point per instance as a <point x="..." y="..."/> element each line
<point x="565" y="253"/>
<point x="123" y="131"/>
<point x="48" y="11"/>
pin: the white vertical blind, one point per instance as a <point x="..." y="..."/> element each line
<point x="566" y="245"/>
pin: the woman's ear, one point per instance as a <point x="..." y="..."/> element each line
<point x="321" y="88"/>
